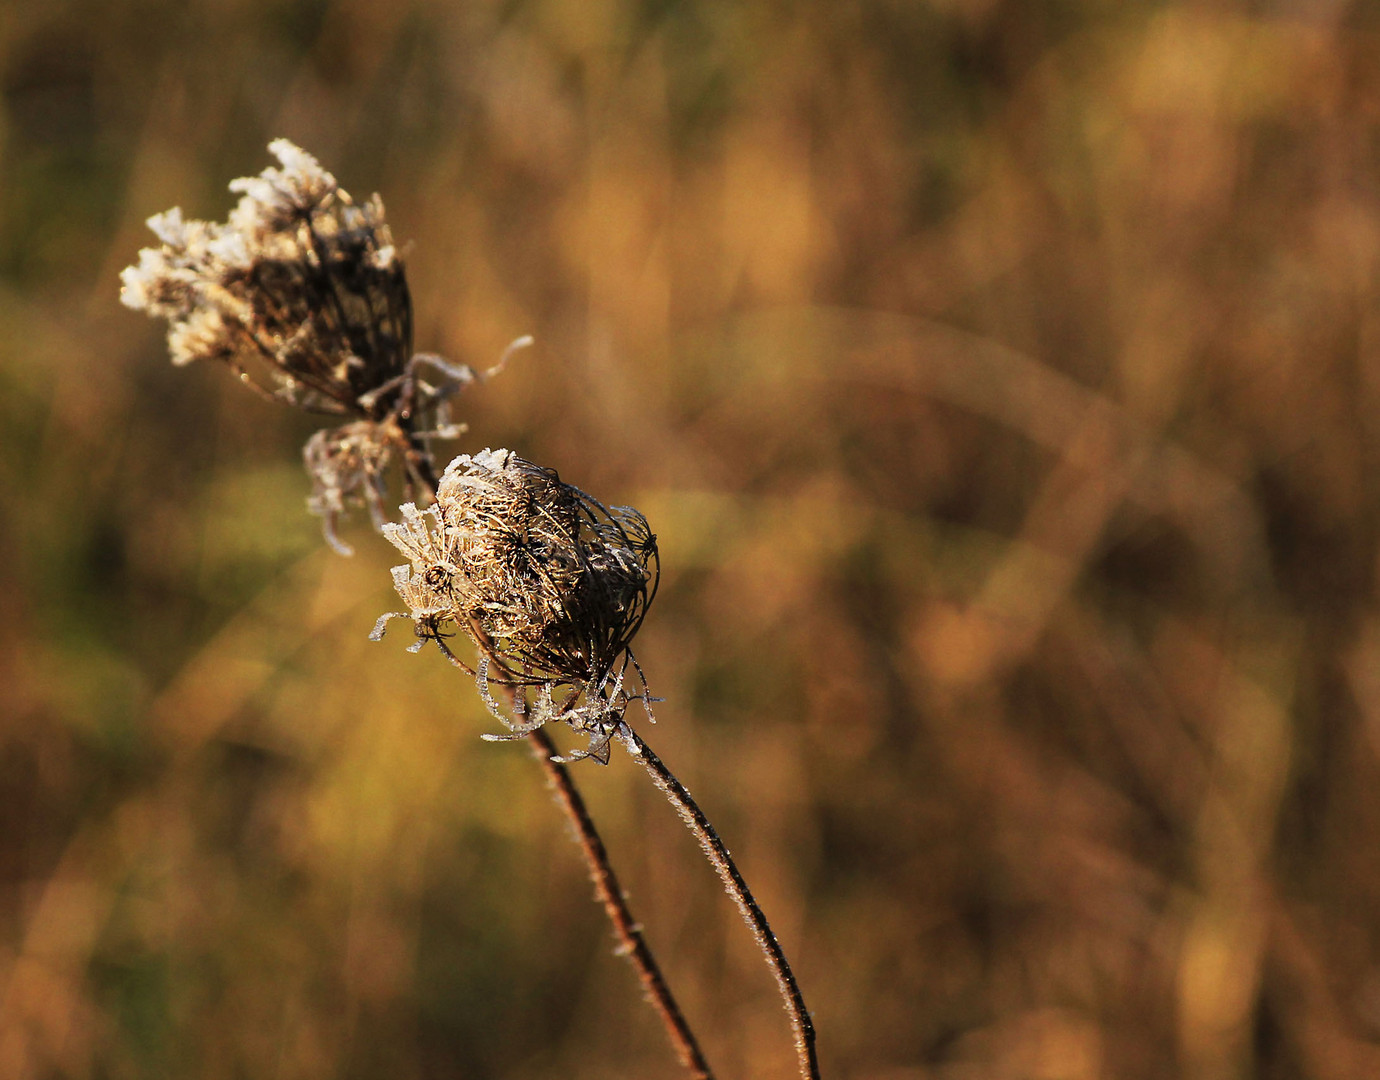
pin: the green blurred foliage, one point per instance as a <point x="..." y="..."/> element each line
<point x="1003" y="382"/>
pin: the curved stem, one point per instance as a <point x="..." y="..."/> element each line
<point x="610" y="892"/>
<point x="616" y="906"/>
<point x="737" y="888"/>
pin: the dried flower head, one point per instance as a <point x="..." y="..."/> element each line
<point x="302" y="286"/>
<point x="303" y="295"/>
<point x="549" y="583"/>
<point x="348" y="466"/>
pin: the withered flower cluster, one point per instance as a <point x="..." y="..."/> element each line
<point x="549" y="584"/>
<point x="303" y="295"/>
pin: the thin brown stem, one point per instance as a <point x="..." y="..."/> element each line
<point x="737" y="888"/>
<point x="616" y="906"/>
<point x="611" y="895"/>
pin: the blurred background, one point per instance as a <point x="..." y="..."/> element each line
<point x="1003" y="382"/>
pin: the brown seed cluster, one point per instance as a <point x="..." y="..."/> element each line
<point x="549" y="583"/>
<point x="302" y="294"/>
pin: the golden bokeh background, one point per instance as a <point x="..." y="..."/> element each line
<point x="1002" y="380"/>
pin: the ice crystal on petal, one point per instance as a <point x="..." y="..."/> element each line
<point x="422" y="537"/>
<point x="277" y="199"/>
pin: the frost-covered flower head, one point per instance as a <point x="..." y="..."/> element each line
<point x="549" y="583"/>
<point x="301" y="287"/>
<point x="302" y="294"/>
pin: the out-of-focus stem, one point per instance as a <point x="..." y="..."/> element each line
<point x="736" y="888"/>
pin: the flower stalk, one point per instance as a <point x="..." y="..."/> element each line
<point x="610" y="892"/>
<point x="302" y="294"/>
<point x="737" y="888"/>
<point x="611" y="895"/>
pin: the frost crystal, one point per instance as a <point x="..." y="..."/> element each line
<point x="348" y="466"/>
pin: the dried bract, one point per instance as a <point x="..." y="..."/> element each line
<point x="549" y="583"/>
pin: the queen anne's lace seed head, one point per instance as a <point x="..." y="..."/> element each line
<point x="549" y="583"/>
<point x="557" y="582"/>
<point x="301" y="293"/>
<point x="301" y="287"/>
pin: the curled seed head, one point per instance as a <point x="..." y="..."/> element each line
<point x="549" y="583"/>
<point x="558" y="583"/>
<point x="552" y="583"/>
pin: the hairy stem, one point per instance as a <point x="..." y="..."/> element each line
<point x="736" y="888"/>
<point x="611" y="894"/>
<point x="616" y="906"/>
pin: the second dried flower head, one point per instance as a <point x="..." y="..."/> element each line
<point x="549" y="584"/>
